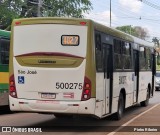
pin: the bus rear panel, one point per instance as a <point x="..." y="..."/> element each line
<point x="49" y="62"/>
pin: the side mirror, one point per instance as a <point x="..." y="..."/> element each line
<point x="158" y="59"/>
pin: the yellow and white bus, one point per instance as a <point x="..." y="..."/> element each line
<point x="77" y="66"/>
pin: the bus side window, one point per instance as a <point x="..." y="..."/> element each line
<point x="117" y="54"/>
<point x="126" y="51"/>
<point x="142" y="58"/>
<point x="148" y="58"/>
<point x="98" y="45"/>
<point x="4" y="51"/>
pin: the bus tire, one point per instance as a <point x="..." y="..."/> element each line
<point x="146" y="102"/>
<point x="120" y="109"/>
<point x="156" y="89"/>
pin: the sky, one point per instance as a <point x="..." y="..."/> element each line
<point x="128" y="12"/>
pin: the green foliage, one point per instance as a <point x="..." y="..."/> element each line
<point x="11" y="9"/>
<point x="6" y="14"/>
<point x="136" y="31"/>
<point x="127" y="29"/>
<point x="158" y="63"/>
<point x="67" y="8"/>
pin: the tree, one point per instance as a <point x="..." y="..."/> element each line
<point x="155" y="40"/>
<point x="67" y="8"/>
<point x="7" y="14"/>
<point x="127" y="29"/>
<point x="141" y="32"/>
<point x="11" y="9"/>
<point x="136" y="31"/>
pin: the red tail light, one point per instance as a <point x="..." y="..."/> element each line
<point x="83" y="23"/>
<point x="86" y="94"/>
<point x="12" y="87"/>
<point x="17" y="23"/>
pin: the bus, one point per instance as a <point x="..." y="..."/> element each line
<point x="4" y="67"/>
<point x="67" y="67"/>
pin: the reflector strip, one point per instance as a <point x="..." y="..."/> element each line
<point x="68" y="95"/>
<point x="23" y="102"/>
<point x="73" y="104"/>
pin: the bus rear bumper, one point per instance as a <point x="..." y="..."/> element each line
<point x="49" y="106"/>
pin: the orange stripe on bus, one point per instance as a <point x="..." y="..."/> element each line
<point x="4" y="77"/>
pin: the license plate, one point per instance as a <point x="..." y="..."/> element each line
<point x="48" y="95"/>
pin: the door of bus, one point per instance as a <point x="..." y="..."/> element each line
<point x="136" y="75"/>
<point x="153" y="63"/>
<point x="108" y="77"/>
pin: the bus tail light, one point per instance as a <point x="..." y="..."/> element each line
<point x="17" y="23"/>
<point x="12" y="87"/>
<point x="83" y="23"/>
<point x="86" y="94"/>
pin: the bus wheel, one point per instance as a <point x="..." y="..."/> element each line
<point x="156" y="89"/>
<point x="146" y="102"/>
<point x="120" y="110"/>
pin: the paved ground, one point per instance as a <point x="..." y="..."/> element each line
<point x="146" y="123"/>
<point x="135" y="118"/>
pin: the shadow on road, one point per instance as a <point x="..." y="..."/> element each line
<point x="89" y="124"/>
<point x="5" y="110"/>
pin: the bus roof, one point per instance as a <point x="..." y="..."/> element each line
<point x="49" y="20"/>
<point x="143" y="42"/>
<point x="103" y="28"/>
<point x="5" y="33"/>
<point x="122" y="35"/>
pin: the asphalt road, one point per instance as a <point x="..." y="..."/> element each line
<point x="76" y="125"/>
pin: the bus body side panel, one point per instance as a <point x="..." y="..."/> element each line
<point x="100" y="94"/>
<point x="4" y="88"/>
<point x="144" y="79"/>
<point x="122" y="80"/>
<point x="4" y="59"/>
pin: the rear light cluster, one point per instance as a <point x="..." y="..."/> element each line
<point x="86" y="94"/>
<point x="12" y="87"/>
<point x="17" y="23"/>
<point x="83" y="23"/>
